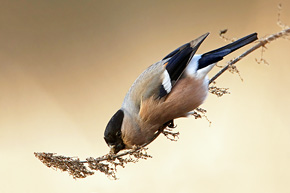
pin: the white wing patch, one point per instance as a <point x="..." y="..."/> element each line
<point x="192" y="66"/>
<point x="166" y="81"/>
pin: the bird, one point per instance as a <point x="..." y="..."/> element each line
<point x="169" y="89"/>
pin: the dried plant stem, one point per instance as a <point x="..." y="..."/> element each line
<point x="128" y="152"/>
<point x="107" y="164"/>
<point x="261" y="43"/>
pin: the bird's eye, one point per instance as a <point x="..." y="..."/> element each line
<point x="118" y="134"/>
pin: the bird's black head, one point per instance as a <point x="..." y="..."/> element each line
<point x="113" y="134"/>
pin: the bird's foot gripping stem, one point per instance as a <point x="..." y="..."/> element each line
<point x="168" y="131"/>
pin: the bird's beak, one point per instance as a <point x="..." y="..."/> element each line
<point x="112" y="149"/>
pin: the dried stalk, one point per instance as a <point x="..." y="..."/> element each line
<point x="108" y="163"/>
<point x="262" y="43"/>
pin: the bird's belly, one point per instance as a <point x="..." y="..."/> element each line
<point x="186" y="95"/>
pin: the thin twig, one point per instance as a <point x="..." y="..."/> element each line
<point x="77" y="168"/>
<point x="261" y="43"/>
<point x="106" y="164"/>
<point x="128" y="152"/>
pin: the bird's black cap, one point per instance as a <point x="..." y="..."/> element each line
<point x="113" y="134"/>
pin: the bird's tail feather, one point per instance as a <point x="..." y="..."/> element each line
<point x="218" y="54"/>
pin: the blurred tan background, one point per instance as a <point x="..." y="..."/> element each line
<point x="65" y="67"/>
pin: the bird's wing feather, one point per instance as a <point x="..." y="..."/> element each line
<point x="145" y="86"/>
<point x="177" y="62"/>
<point x="159" y="78"/>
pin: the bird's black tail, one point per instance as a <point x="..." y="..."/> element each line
<point x="218" y="54"/>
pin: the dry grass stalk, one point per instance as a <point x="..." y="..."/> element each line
<point x="261" y="43"/>
<point x="219" y="92"/>
<point x="108" y="163"/>
<point x="199" y="112"/>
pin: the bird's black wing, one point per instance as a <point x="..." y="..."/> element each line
<point x="177" y="62"/>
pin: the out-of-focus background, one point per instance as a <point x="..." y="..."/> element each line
<point x="65" y="67"/>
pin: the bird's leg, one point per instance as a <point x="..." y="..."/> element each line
<point x="167" y="131"/>
<point x="170" y="124"/>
